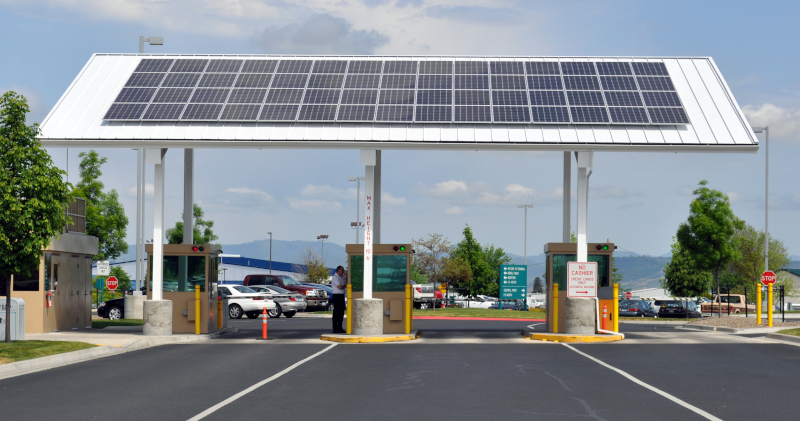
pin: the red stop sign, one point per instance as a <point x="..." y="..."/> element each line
<point x="628" y="295"/>
<point x="112" y="283"/>
<point x="768" y="277"/>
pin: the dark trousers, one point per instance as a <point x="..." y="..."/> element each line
<point x="338" y="311"/>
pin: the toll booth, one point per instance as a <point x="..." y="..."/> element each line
<point x="557" y="255"/>
<point x="187" y="265"/>
<point x="391" y="272"/>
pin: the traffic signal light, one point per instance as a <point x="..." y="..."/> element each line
<point x="603" y="247"/>
<point x="196" y="248"/>
<point x="399" y="248"/>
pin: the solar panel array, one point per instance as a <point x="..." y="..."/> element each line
<point x="410" y="91"/>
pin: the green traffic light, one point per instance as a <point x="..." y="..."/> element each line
<point x="402" y="248"/>
<point x="605" y="247"/>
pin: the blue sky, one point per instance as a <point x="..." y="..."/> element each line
<point x="637" y="200"/>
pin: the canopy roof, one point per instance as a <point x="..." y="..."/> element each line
<point x="560" y="103"/>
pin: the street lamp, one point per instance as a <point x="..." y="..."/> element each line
<point x="322" y="238"/>
<point x="270" y="252"/>
<point x="765" y="130"/>
<point x="357" y="224"/>
<point x="151" y="41"/>
<point x="526" y="230"/>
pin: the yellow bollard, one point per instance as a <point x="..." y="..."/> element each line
<point x="758" y="304"/>
<point x="616" y="308"/>
<point x="197" y="309"/>
<point x="407" y="309"/>
<point x="219" y="313"/>
<point x="769" y="305"/>
<point x="555" y="308"/>
<point x="349" y="309"/>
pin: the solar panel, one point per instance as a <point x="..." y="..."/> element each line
<point x="145" y="80"/>
<point x="240" y="112"/>
<point x="278" y="112"/>
<point x="658" y="69"/>
<point x="398" y="82"/>
<point x="189" y="65"/>
<point x="578" y="68"/>
<point x="247" y="96"/>
<point x="655" y="83"/>
<point x="668" y="116"/>
<point x="360" y="96"/>
<point x="163" y="112"/>
<point x="259" y="66"/>
<point x="217" y="80"/>
<point x="589" y="114"/>
<point x="581" y="83"/>
<point x="547" y="98"/>
<point x="435" y="97"/>
<point x="549" y="114"/>
<point x="435" y="82"/>
<point x="329" y="66"/>
<point x="154" y="65"/>
<point x="181" y="80"/>
<point x="613" y="68"/>
<point x="289" y="81"/>
<point x="173" y="95"/>
<point x="510" y="97"/>
<point x="224" y="66"/>
<point x="472" y="98"/>
<point x="125" y="111"/>
<point x="294" y="66"/>
<point x="395" y="113"/>
<point x="397" y="97"/>
<point x="356" y="113"/>
<point x="661" y="99"/>
<point x="209" y="96"/>
<point x="321" y="96"/>
<point x="542" y="68"/>
<point x="511" y="114"/>
<point x="618" y="83"/>
<point x="545" y="82"/>
<point x="508" y="82"/>
<point x="434" y="113"/>
<point x="284" y="96"/>
<point x="400" y="67"/>
<point x="472" y="82"/>
<point x="436" y="67"/>
<point x="623" y="99"/>
<point x="325" y="81"/>
<point x="628" y="115"/>
<point x="253" y="80"/>
<point x="472" y="114"/>
<point x="585" y="98"/>
<point x="507" y="68"/>
<point x="135" y="95"/>
<point x="317" y="113"/>
<point x="472" y="68"/>
<point x="202" y="112"/>
<point x="365" y="66"/>
<point x="362" y="81"/>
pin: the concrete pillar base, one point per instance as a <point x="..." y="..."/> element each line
<point x="157" y="317"/>
<point x="133" y="306"/>
<point x="580" y="316"/>
<point x="367" y="316"/>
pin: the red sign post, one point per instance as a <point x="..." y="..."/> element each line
<point x="112" y="283"/>
<point x="628" y="295"/>
<point x="768" y="277"/>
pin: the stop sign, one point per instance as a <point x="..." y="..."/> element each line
<point x="768" y="277"/>
<point x="111" y="283"/>
<point x="628" y="295"/>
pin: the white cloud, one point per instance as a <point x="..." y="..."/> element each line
<point x="319" y="34"/>
<point x="784" y="123"/>
<point x="449" y="187"/>
<point x="737" y="198"/>
<point x="455" y="210"/>
<point x="479" y="193"/>
<point x="388" y="199"/>
<point x="258" y="193"/>
<point x="149" y="190"/>
<point x="328" y="192"/>
<point x="314" y="205"/>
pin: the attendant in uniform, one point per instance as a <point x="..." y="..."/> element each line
<point x="339" y="286"/>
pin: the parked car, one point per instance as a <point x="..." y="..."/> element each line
<point x="286" y="302"/>
<point x="636" y="308"/>
<point x="731" y="304"/>
<point x="677" y="309"/>
<point x="473" y="302"/>
<point x="245" y="301"/>
<point x="328" y="289"/>
<point x="426" y="296"/>
<point x="518" y="305"/>
<point x="315" y="296"/>
<point x="112" y="309"/>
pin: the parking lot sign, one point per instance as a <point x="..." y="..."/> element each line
<point x="581" y="279"/>
<point x="103" y="268"/>
<point x="513" y="282"/>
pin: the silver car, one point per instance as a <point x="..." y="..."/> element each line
<point x="287" y="302"/>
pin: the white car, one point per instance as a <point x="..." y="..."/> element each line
<point x="286" y="302"/>
<point x="474" y="302"/>
<point x="245" y="301"/>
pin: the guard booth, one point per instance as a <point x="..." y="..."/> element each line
<point x="391" y="272"/>
<point x="187" y="265"/>
<point x="557" y="255"/>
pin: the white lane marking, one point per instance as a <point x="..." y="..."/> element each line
<point x="647" y="386"/>
<point x="531" y="326"/>
<point x="218" y="406"/>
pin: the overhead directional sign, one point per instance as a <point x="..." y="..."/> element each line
<point x="581" y="280"/>
<point x="513" y="282"/>
<point x="103" y="268"/>
<point x="768" y="277"/>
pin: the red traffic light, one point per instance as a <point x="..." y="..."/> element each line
<point x="194" y="248"/>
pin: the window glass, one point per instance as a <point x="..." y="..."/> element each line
<point x="388" y="273"/>
<point x="244" y="289"/>
<point x="733" y="300"/>
<point x="48" y="258"/>
<point x="27" y="281"/>
<point x="224" y="290"/>
<point x="289" y="281"/>
<point x="182" y="273"/>
<point x="560" y="269"/>
<point x="280" y="290"/>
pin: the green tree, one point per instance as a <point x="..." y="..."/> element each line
<point x="538" y="286"/>
<point x="310" y="269"/>
<point x="746" y="269"/>
<point x="417" y="275"/>
<point x="471" y="252"/>
<point x="708" y="233"/>
<point x="32" y="195"/>
<point x="682" y="278"/>
<point x="124" y="279"/>
<point x="202" y="229"/>
<point x="616" y="277"/>
<point x="455" y="273"/>
<point x="105" y="216"/>
<point x="432" y="256"/>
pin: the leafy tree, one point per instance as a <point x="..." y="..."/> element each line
<point x="708" y="233"/>
<point x="494" y="257"/>
<point x="202" y="230"/>
<point x="310" y="269"/>
<point x="125" y="283"/>
<point x="746" y="269"/>
<point x="32" y="195"/>
<point x="432" y="256"/>
<point x="455" y="273"/>
<point x="471" y="252"/>
<point x="538" y="286"/>
<point x="682" y="278"/>
<point x="417" y="275"/>
<point x="105" y="216"/>
<point x="616" y="277"/>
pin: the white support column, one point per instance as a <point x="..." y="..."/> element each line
<point x="584" y="166"/>
<point x="157" y="312"/>
<point x="139" y="217"/>
<point x="567" y="215"/>
<point x="188" y="196"/>
<point x="143" y="187"/>
<point x="377" y="196"/>
<point x="368" y="159"/>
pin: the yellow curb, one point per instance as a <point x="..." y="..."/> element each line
<point x="574" y="338"/>
<point x="367" y="339"/>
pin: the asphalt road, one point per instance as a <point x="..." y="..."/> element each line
<point x="457" y="369"/>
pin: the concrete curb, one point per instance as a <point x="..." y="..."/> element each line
<point x="563" y="337"/>
<point x="20" y="368"/>
<point x="651" y="322"/>
<point x="313" y="316"/>
<point x="734" y="330"/>
<point x="351" y="339"/>
<point x="784" y="337"/>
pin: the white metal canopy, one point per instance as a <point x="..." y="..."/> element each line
<point x="717" y="122"/>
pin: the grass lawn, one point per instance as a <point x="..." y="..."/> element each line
<point x="652" y="319"/>
<point x="795" y="332"/>
<point x="101" y="323"/>
<point x="26" y="350"/>
<point x="481" y="312"/>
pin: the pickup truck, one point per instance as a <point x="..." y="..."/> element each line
<point x="734" y="305"/>
<point x="315" y="296"/>
<point x="426" y="296"/>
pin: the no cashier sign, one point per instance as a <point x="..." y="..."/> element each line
<point x="581" y="279"/>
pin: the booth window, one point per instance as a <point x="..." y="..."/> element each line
<point x="560" y="269"/>
<point x="182" y="273"/>
<point x="388" y="273"/>
<point x="27" y="281"/>
<point x="48" y="258"/>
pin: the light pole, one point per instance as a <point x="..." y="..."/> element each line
<point x="270" y="251"/>
<point x="526" y="230"/>
<point x="322" y="238"/>
<point x="151" y="41"/>
<point x="357" y="224"/>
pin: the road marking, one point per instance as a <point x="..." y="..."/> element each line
<point x="218" y="406"/>
<point x="647" y="386"/>
<point x="531" y="326"/>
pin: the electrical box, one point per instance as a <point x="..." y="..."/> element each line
<point x="17" y="319"/>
